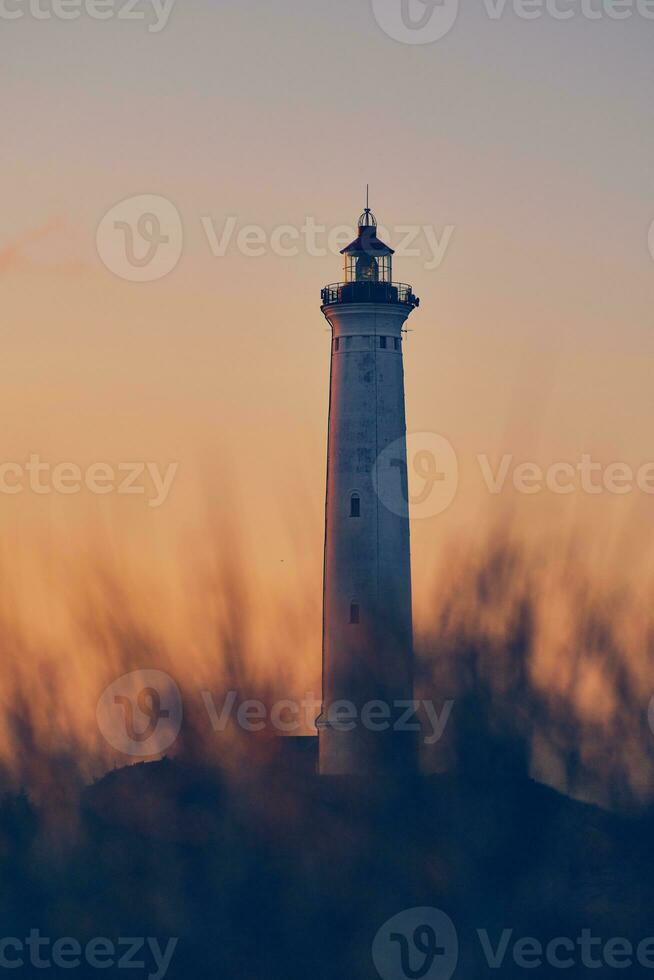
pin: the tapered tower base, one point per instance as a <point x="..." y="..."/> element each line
<point x="363" y="753"/>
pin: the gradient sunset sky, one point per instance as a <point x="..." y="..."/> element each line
<point x="532" y="139"/>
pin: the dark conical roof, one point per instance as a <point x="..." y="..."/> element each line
<point x="367" y="241"/>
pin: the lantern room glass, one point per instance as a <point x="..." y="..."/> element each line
<point x="367" y="267"/>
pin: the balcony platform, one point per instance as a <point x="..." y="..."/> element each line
<point x="369" y="292"/>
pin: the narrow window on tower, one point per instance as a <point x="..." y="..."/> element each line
<point x="355" y="505"/>
<point x="354" y="613"/>
<point x="336" y="343"/>
<point x="382" y="342"/>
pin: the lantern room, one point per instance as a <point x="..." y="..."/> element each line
<point x="367" y="258"/>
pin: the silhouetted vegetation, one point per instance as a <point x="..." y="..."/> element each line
<point x="264" y="870"/>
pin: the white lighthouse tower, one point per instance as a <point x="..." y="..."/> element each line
<point x="367" y="626"/>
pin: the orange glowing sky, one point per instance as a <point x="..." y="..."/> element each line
<point x="532" y="139"/>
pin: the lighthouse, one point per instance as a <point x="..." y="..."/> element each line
<point x="367" y="679"/>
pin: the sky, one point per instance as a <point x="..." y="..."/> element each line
<point x="524" y="147"/>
